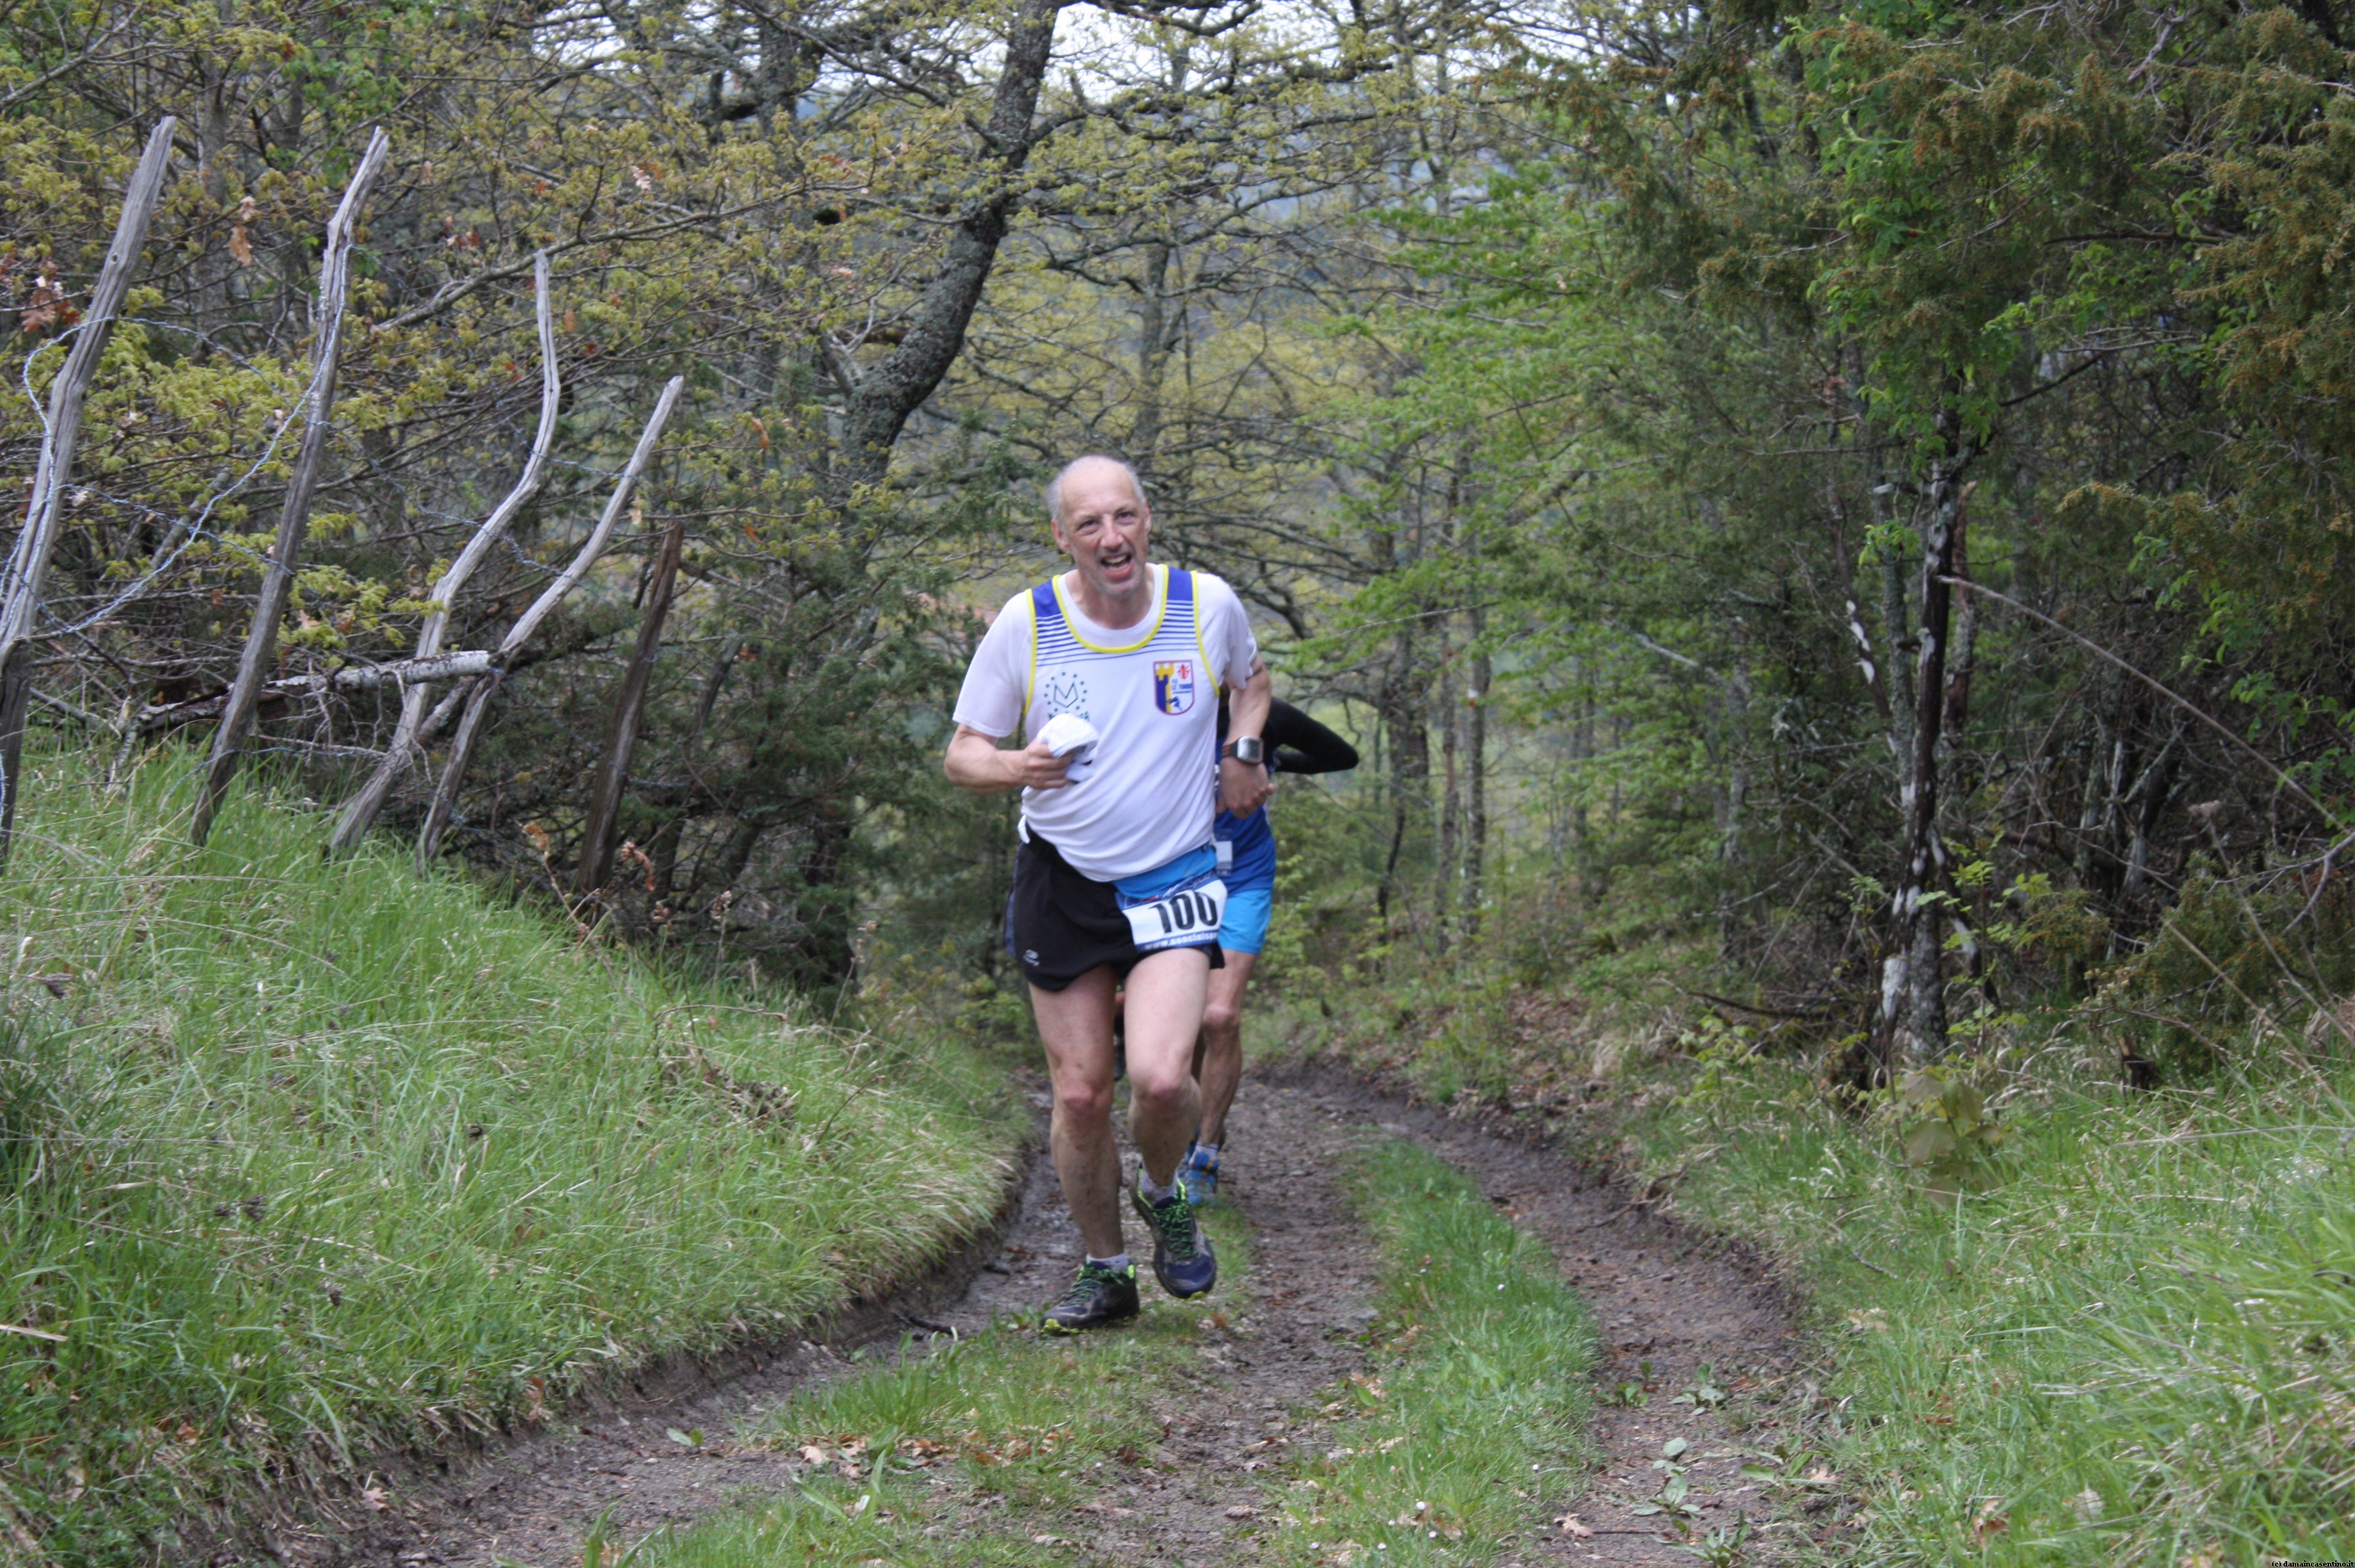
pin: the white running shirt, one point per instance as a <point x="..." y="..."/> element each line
<point x="1152" y="692"/>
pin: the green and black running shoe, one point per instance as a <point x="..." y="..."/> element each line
<point x="1181" y="1254"/>
<point x="1099" y="1297"/>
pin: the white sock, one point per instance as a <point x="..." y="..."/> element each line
<point x="1210" y="1152"/>
<point x="1115" y="1262"/>
<point x="1154" y="1192"/>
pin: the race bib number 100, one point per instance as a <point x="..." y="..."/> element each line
<point x="1178" y="918"/>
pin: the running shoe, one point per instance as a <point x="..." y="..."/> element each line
<point x="1181" y="1254"/>
<point x="1099" y="1297"/>
<point x="1198" y="1176"/>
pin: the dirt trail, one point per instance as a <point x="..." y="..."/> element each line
<point x="1659" y="1295"/>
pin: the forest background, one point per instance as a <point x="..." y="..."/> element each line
<point x="1845" y="497"/>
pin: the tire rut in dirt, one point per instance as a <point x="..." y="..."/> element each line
<point x="534" y="1498"/>
<point x="1249" y="1406"/>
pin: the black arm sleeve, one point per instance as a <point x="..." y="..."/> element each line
<point x="1302" y="745"/>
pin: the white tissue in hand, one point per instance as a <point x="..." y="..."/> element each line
<point x="1069" y="735"/>
<point x="1066" y="733"/>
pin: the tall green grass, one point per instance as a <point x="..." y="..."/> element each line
<point x="2129" y="1338"/>
<point x="301" y="1157"/>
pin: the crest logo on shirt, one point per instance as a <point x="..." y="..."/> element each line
<point x="1173" y="686"/>
<point x="1066" y="693"/>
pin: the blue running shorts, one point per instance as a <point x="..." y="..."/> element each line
<point x="1249" y="909"/>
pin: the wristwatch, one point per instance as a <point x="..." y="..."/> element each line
<point x="1246" y="749"/>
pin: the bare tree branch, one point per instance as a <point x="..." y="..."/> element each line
<point x="360" y="812"/>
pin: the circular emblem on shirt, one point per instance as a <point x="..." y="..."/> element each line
<point x="1066" y="693"/>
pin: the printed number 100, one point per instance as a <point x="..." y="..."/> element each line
<point x="1185" y="911"/>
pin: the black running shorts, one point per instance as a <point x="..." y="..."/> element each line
<point x="1060" y="924"/>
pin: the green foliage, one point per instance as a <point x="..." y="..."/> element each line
<point x="1326" y="929"/>
<point x="1945" y="1130"/>
<point x="1719" y="1048"/>
<point x="2045" y="924"/>
<point x="2235" y="978"/>
<point x="306" y="1156"/>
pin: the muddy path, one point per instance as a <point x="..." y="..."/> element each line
<point x="1667" y="1302"/>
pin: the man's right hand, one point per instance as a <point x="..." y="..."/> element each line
<point x="1035" y="767"/>
<point x="977" y="762"/>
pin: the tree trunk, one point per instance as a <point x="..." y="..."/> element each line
<point x="613" y="776"/>
<point x="1733" y="703"/>
<point x="1404" y="723"/>
<point x="261" y="654"/>
<point x="1447" y="865"/>
<point x="1154" y="340"/>
<point x="1920" y="975"/>
<point x="1897" y="639"/>
<point x="1475" y="745"/>
<point x="889" y="393"/>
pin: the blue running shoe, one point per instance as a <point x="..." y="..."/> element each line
<point x="1198" y="1176"/>
<point x="1181" y="1254"/>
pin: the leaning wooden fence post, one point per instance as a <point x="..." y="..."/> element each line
<point x="462" y="744"/>
<point x="410" y="733"/>
<point x="613" y="772"/>
<point x="277" y="574"/>
<point x="20" y="592"/>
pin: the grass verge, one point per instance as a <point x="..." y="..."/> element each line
<point x="1478" y="1400"/>
<point x="972" y="1456"/>
<point x="2124" y="1336"/>
<point x="298" y="1158"/>
<point x="2121" y="1334"/>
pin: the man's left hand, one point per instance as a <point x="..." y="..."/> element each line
<point x="1244" y="787"/>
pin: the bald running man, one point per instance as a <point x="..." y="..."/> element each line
<point x="1108" y="674"/>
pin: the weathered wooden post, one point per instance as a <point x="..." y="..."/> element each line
<point x="614" y="771"/>
<point x="277" y="574"/>
<point x="20" y="592"/>
<point x="412" y="732"/>
<point x="462" y="744"/>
